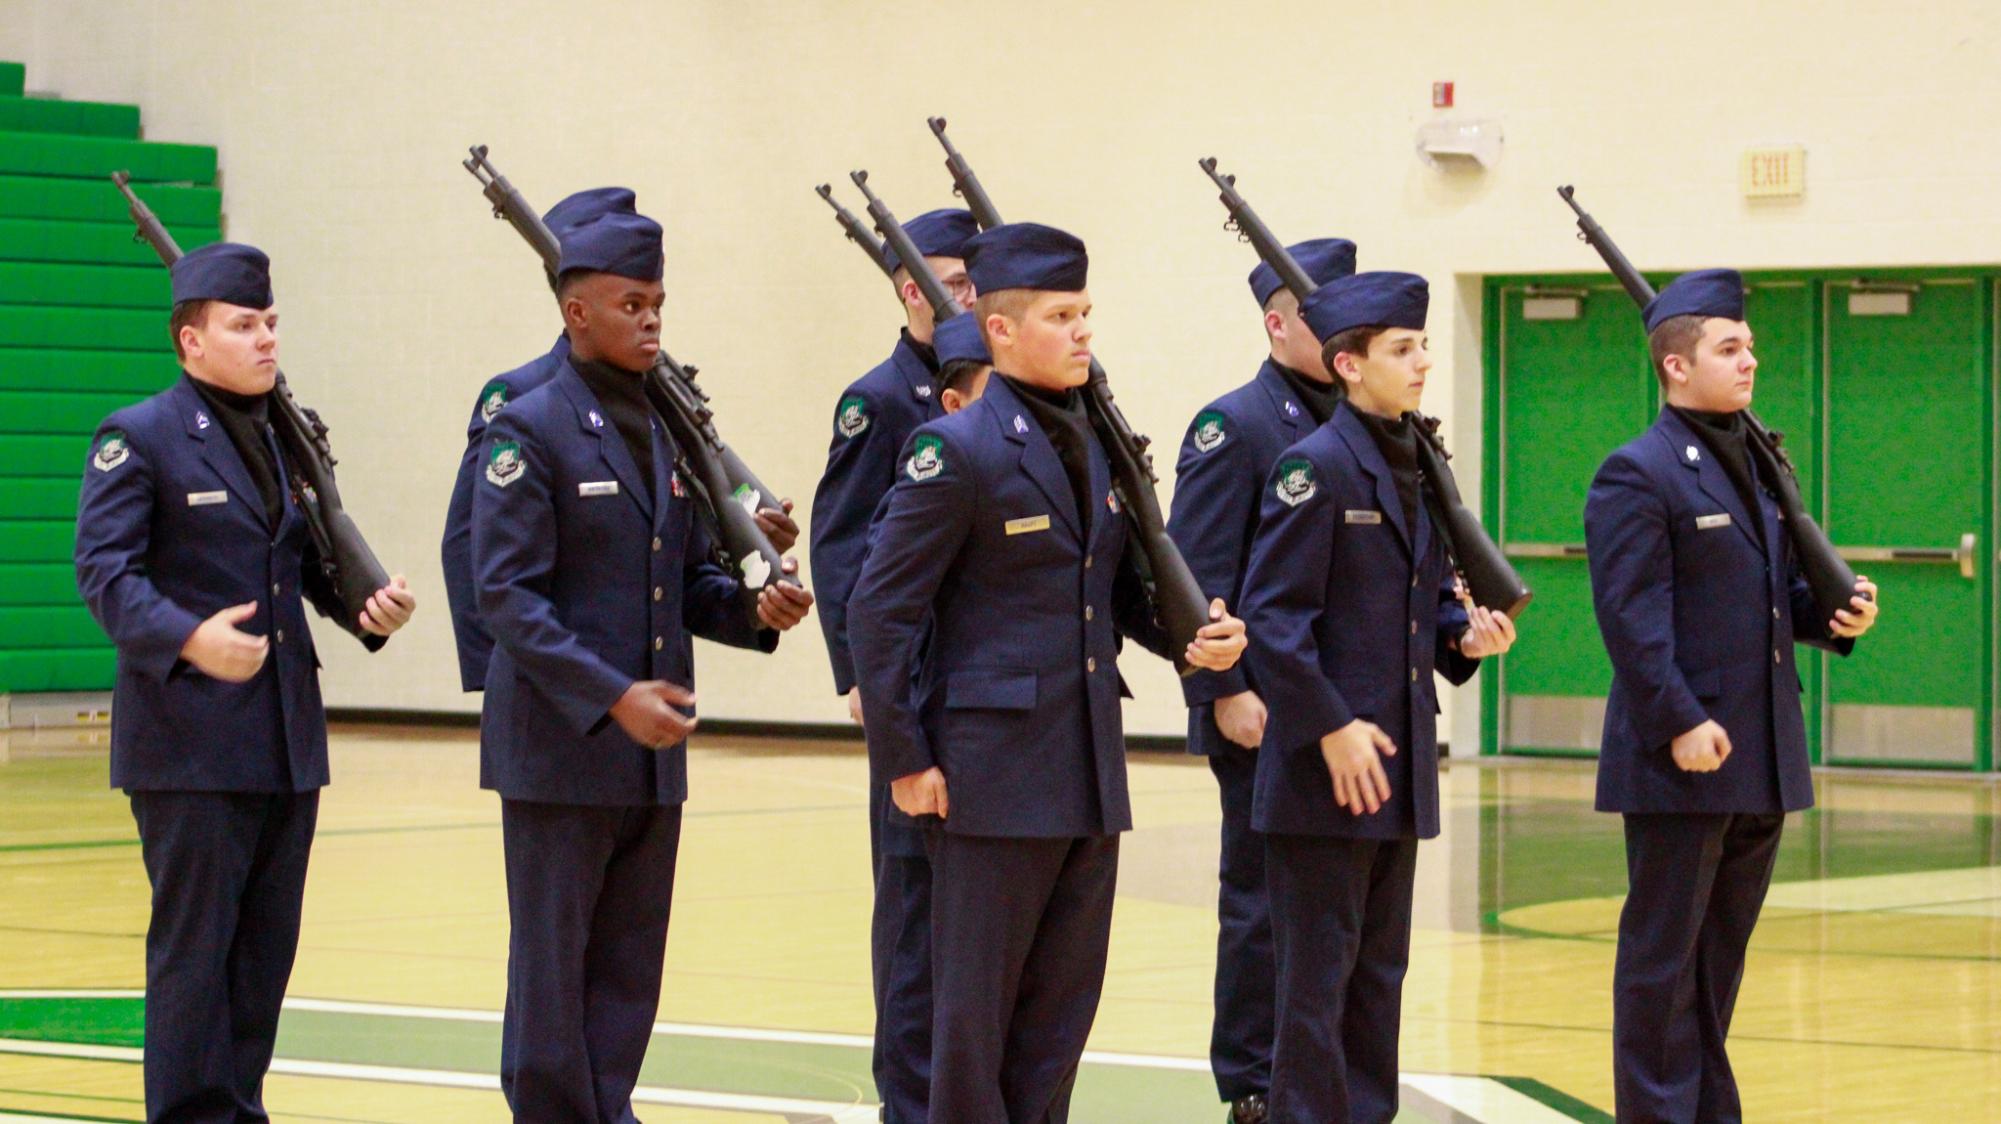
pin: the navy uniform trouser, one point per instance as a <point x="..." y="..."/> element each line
<point x="1019" y="932"/>
<point x="1240" y="1039"/>
<point x="228" y="872"/>
<point x="900" y="967"/>
<point x="588" y="894"/>
<point x="1341" y="933"/>
<point x="1695" y="885"/>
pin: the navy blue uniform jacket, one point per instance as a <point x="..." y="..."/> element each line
<point x="1699" y="619"/>
<point x="1226" y="456"/>
<point x="474" y="644"/>
<point x="1348" y="612"/>
<point x="170" y="530"/>
<point x="587" y="587"/>
<point x="1017" y="690"/>
<point x="874" y="420"/>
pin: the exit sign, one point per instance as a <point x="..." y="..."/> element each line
<point x="1768" y="173"/>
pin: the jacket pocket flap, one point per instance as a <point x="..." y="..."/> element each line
<point x="994" y="688"/>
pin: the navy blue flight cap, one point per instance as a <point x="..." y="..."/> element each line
<point x="1377" y="299"/>
<point x="1706" y="292"/>
<point x="1026" y="255"/>
<point x="960" y="340"/>
<point x="939" y="234"/>
<point x="230" y="272"/>
<point x="587" y="205"/>
<point x="1323" y="259"/>
<point x="624" y="244"/>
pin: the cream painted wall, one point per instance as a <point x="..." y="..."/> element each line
<point x="341" y="124"/>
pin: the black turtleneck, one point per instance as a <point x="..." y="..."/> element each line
<point x="1398" y="442"/>
<point x="923" y="350"/>
<point x="1060" y="413"/>
<point x="622" y="393"/>
<point x="247" y="420"/>
<point x="1318" y="397"/>
<point x="1726" y="435"/>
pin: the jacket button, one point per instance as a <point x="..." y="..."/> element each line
<point x="1087" y="561"/>
<point x="656" y="544"/>
<point x="1775" y="656"/>
<point x="658" y="593"/>
<point x="1413" y="675"/>
<point x="658" y="643"/>
<point x="1413" y="628"/>
<point x="281" y="636"/>
<point x="1091" y="664"/>
<point x="274" y="589"/>
<point x="1775" y="613"/>
<point x="1089" y="612"/>
<point x="1413" y="581"/>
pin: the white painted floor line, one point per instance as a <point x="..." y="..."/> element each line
<point x="1484" y="1099"/>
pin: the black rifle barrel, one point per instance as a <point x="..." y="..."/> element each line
<point x="1490" y="579"/>
<point x="943" y="307"/>
<point x="857" y="232"/>
<point x="1827" y="574"/>
<point x="965" y="184"/>
<point x="346" y="560"/>
<point x="728" y="493"/>
<point x="1178" y="604"/>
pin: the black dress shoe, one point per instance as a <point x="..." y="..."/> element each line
<point x="1248" y="1110"/>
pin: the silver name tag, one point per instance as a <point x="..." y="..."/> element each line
<point x="203" y="499"/>
<point x="598" y="488"/>
<point x="1709" y="522"/>
<point x="1363" y="516"/>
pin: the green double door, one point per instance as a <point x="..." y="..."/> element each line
<point x="1882" y="388"/>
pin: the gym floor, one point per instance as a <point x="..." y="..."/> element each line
<point x="1873" y="993"/>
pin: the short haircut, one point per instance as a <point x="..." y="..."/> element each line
<point x="1011" y="303"/>
<point x="1354" y="341"/>
<point x="568" y="279"/>
<point x="1282" y="300"/>
<point x="187" y="314"/>
<point x="958" y="374"/>
<point x="1677" y="335"/>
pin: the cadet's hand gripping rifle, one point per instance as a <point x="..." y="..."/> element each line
<point x="1829" y="577"/>
<point x="1490" y="579"/>
<point x="352" y="572"/>
<point x="1179" y="607"/>
<point x="729" y="494"/>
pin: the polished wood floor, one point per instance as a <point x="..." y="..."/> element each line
<point x="1873" y="994"/>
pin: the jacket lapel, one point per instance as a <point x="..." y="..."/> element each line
<point x="1363" y="446"/>
<point x="219" y="452"/>
<point x="1692" y="454"/>
<point x="1034" y="453"/>
<point x="1286" y="406"/>
<point x="918" y="378"/>
<point x="592" y="419"/>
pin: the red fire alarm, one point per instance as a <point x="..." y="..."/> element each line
<point x="1441" y="95"/>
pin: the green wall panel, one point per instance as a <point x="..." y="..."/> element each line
<point x="89" y="286"/>
<point x="41" y="583"/>
<point x="49" y="369"/>
<point x="57" y="327"/>
<point x="75" y="412"/>
<point x="94" y="243"/>
<point x="97" y="200"/>
<point x="13" y="78"/>
<point x="68" y="626"/>
<point x="67" y="669"/>
<point x="39" y="497"/>
<point x="34" y="540"/>
<point x="76" y="118"/>
<point x="44" y="455"/>
<point x="39" y="154"/>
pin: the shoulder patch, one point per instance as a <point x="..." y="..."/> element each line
<point x="927" y="459"/>
<point x="505" y="464"/>
<point x="492" y="399"/>
<point x="1209" y="431"/>
<point x="853" y="417"/>
<point x="1295" y="481"/>
<point x="112" y="450"/>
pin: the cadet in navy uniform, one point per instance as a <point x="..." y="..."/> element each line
<point x="192" y="553"/>
<point x="875" y="416"/>
<point x="1700" y="602"/>
<point x="1351" y="607"/>
<point x="593" y="573"/>
<point x="474" y="645"/>
<point x="999" y="574"/>
<point x="1228" y="452"/>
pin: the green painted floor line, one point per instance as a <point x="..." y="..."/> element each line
<point x="729" y="1065"/>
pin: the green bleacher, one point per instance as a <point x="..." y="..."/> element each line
<point x="83" y="331"/>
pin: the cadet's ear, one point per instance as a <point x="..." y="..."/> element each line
<point x="1347" y="367"/>
<point x="574" y="313"/>
<point x="952" y="400"/>
<point x="1676" y="368"/>
<point x="1274" y="323"/>
<point x="190" y="341"/>
<point x="999" y="329"/>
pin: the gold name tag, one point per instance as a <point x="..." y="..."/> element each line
<point x="1708" y="522"/>
<point x="203" y="499"/>
<point x="598" y="488"/>
<point x="1363" y="516"/>
<point x="1031" y="523"/>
